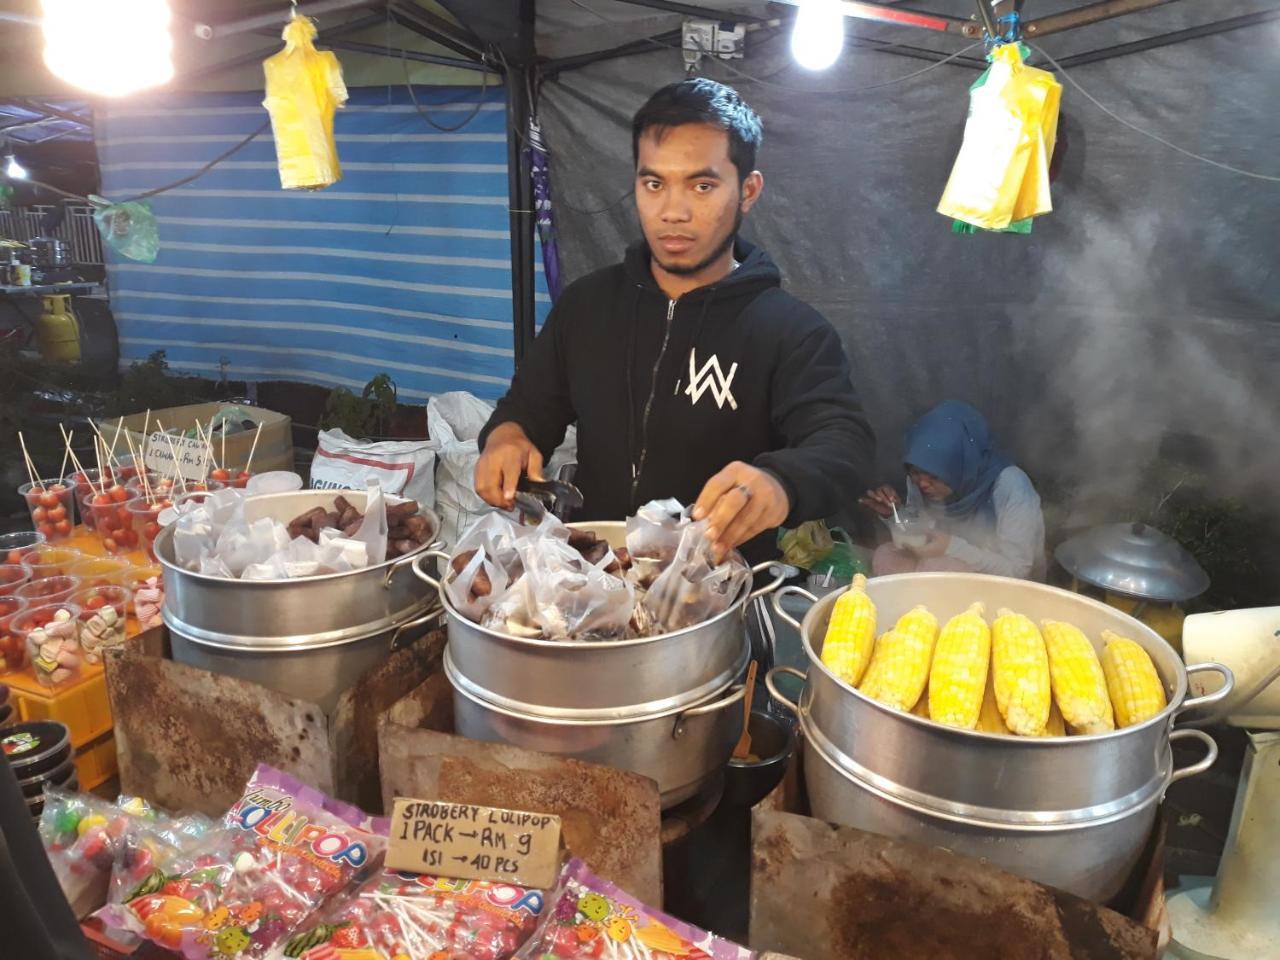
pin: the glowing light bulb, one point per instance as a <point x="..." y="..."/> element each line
<point x="108" y="47"/>
<point x="14" y="170"/>
<point x="818" y="35"/>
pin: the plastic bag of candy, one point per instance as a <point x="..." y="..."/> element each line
<point x="591" y="919"/>
<point x="80" y="834"/>
<point x="405" y="916"/>
<point x="280" y="853"/>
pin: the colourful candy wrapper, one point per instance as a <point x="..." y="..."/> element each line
<point x="281" y="852"/>
<point x="402" y="916"/>
<point x="591" y="919"/>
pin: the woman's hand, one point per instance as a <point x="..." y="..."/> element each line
<point x="882" y="500"/>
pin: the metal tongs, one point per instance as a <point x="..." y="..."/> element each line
<point x="537" y="498"/>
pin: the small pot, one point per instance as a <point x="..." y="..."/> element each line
<point x="36" y="748"/>
<point x="34" y="786"/>
<point x="747" y="782"/>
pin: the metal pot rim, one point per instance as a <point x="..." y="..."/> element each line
<point x="989" y="818"/>
<point x="297" y="644"/>
<point x="580" y="718"/>
<point x="1163" y="718"/>
<point x="166" y="538"/>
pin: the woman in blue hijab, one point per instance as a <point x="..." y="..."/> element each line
<point x="984" y="512"/>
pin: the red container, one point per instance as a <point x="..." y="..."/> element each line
<point x="52" y="507"/>
<point x="13" y="647"/>
<point x="112" y="521"/>
<point x="98" y="628"/>
<point x="146" y="523"/>
<point x="50" y="590"/>
<point x="17" y="547"/>
<point x="12" y="576"/>
<point x="53" y="641"/>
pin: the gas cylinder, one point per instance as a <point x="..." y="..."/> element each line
<point x="58" y="331"/>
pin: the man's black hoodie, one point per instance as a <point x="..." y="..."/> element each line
<point x="666" y="393"/>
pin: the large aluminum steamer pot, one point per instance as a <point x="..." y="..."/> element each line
<point x="300" y="612"/>
<point x="680" y="748"/>
<point x="655" y="673"/>
<point x="975" y="788"/>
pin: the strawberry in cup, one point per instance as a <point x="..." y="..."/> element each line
<point x="13" y="647"/>
<point x="18" y="547"/>
<point x="52" y="506"/>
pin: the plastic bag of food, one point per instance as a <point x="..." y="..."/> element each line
<point x="304" y="88"/>
<point x="372" y="531"/>
<point x="80" y="833"/>
<point x="653" y="535"/>
<point x="486" y="562"/>
<point x="693" y="587"/>
<point x="281" y="852"/>
<point x="570" y="597"/>
<point x="588" y="918"/>
<point x="419" y="916"/>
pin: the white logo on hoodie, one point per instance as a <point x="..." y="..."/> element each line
<point x="710" y="377"/>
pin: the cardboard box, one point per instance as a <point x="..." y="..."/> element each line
<point x="275" y="448"/>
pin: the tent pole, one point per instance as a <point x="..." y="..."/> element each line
<point x="1166" y="39"/>
<point x="519" y="73"/>
<point x="1090" y="13"/>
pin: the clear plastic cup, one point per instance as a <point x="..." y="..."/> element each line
<point x="87" y="483"/>
<point x="12" y="576"/>
<point x="13" y="647"/>
<point x="98" y="627"/>
<point x="54" y="649"/>
<point x="128" y="468"/>
<point x="100" y="571"/>
<point x="112" y="521"/>
<point x="16" y="547"/>
<point x="228" y="479"/>
<point x="147" y="587"/>
<point x="49" y="561"/>
<point x="52" y="506"/>
<point x="146" y="522"/>
<point x="49" y="590"/>
<point x="161" y="486"/>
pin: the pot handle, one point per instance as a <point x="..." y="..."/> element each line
<point x="422" y="574"/>
<point x="1211" y="753"/>
<point x="735" y="696"/>
<point x="433" y="614"/>
<point x="776" y="693"/>
<point x="786" y="592"/>
<point x="780" y="573"/>
<point x="1229" y="684"/>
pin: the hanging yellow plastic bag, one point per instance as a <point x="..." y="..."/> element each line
<point x="1004" y="141"/>
<point x="304" y="88"/>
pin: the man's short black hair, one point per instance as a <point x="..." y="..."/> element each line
<point x="699" y="100"/>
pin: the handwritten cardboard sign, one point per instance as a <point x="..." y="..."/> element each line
<point x="190" y="451"/>
<point x="471" y="842"/>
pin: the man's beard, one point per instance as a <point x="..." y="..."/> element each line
<point x="679" y="270"/>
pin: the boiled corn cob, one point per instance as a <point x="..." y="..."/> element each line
<point x="1136" y="691"/>
<point x="899" y="667"/>
<point x="989" y="719"/>
<point x="1021" y="667"/>
<point x="851" y="633"/>
<point x="921" y="709"/>
<point x="1054" y="726"/>
<point x="1079" y="685"/>
<point x="958" y="677"/>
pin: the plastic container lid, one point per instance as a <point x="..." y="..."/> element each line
<point x="273" y="481"/>
<point x="32" y="747"/>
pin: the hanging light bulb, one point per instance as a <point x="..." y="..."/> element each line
<point x="108" y="47"/>
<point x="818" y="35"/>
<point x="13" y="169"/>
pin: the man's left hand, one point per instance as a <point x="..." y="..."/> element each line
<point x="935" y="546"/>
<point x="740" y="502"/>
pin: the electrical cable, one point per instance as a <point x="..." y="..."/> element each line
<point x="1147" y="133"/>
<point x="484" y="89"/>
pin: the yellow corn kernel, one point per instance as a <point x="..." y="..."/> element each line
<point x="1054" y="727"/>
<point x="958" y="677"/>
<point x="1137" y="694"/>
<point x="899" y="667"/>
<point x="851" y="633"/>
<point x="1079" y="685"/>
<point x="989" y="719"/>
<point x="921" y="709"/>
<point x="1021" y="667"/>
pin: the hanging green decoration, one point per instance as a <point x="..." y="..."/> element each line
<point x="128" y="228"/>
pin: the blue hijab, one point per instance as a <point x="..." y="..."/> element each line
<point x="953" y="442"/>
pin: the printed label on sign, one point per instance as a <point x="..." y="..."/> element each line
<point x="190" y="451"/>
<point x="470" y="842"/>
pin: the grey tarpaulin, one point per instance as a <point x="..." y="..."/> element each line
<point x="1147" y="303"/>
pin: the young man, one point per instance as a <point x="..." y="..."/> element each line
<point x="688" y="370"/>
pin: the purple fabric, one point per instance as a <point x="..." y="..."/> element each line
<point x="540" y="173"/>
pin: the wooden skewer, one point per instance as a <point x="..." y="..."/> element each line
<point x="208" y="452"/>
<point x="223" y="464"/>
<point x="181" y="480"/>
<point x="142" y="474"/>
<point x="62" y="470"/>
<point x="31" y="469"/>
<point x="249" y="463"/>
<point x="75" y="461"/>
<point x="116" y="438"/>
<point x="97" y="454"/>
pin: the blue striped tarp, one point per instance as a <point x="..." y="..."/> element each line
<point x="401" y="267"/>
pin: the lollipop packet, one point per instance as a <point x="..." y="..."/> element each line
<point x="279" y="854"/>
<point x="405" y="916"/>
<point x="589" y="918"/>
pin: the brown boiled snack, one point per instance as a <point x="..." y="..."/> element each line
<point x="407" y="530"/>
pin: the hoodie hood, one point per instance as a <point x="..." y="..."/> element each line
<point x="756" y="272"/>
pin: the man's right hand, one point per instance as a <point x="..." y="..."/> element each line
<point x="507" y="454"/>
<point x="882" y="500"/>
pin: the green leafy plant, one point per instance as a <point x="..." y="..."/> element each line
<point x="366" y="416"/>
<point x="148" y="385"/>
